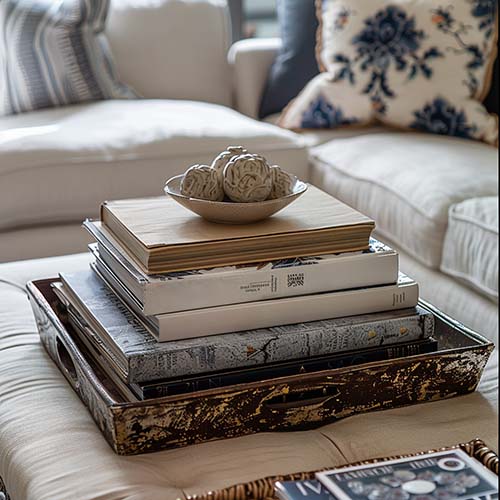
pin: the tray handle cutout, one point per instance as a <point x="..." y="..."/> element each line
<point x="66" y="362"/>
<point x="300" y="399"/>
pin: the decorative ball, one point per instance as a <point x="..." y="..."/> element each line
<point x="202" y="181"/>
<point x="247" y="178"/>
<point x="225" y="157"/>
<point x="283" y="183"/>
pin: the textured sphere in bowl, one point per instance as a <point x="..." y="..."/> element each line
<point x="202" y="181"/>
<point x="283" y="183"/>
<point x="225" y="157"/>
<point x="247" y="178"/>
<point x="229" y="212"/>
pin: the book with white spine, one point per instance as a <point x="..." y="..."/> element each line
<point x="268" y="313"/>
<point x="203" y="288"/>
<point x="137" y="356"/>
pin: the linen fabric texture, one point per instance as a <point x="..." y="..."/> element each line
<point x="403" y="186"/>
<point x="410" y="64"/>
<point x="295" y="64"/>
<point x="55" y="53"/>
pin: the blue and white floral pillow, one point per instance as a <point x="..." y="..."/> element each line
<point x="415" y="64"/>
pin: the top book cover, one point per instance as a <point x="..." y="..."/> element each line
<point x="162" y="236"/>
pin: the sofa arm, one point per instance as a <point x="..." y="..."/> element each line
<point x="251" y="60"/>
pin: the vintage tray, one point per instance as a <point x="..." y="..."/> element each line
<point x="286" y="404"/>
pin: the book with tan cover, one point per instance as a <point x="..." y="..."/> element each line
<point x="163" y="236"/>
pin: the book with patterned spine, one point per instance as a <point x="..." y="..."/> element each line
<point x="197" y="289"/>
<point x="196" y="383"/>
<point x="131" y="347"/>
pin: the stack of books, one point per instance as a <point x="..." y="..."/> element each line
<point x="174" y="304"/>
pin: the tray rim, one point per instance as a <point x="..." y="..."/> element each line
<point x="36" y="294"/>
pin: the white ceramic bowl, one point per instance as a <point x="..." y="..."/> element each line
<point x="227" y="212"/>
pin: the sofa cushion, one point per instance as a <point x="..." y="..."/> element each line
<point x="58" y="165"/>
<point x="407" y="182"/>
<point x="173" y="49"/>
<point x="315" y="137"/>
<point x="471" y="244"/>
<point x="410" y="63"/>
<point x="290" y="64"/>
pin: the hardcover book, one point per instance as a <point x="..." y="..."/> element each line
<point x="129" y="344"/>
<point x="198" y="383"/>
<point x="215" y="380"/>
<point x="268" y="313"/>
<point x="163" y="236"/>
<point x="197" y="289"/>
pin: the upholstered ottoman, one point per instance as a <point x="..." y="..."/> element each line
<point x="50" y="448"/>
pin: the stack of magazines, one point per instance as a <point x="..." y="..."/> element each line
<point x="450" y="475"/>
<point x="174" y="304"/>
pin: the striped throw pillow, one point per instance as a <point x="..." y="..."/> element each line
<point x="54" y="53"/>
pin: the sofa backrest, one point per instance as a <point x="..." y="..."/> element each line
<point x="172" y="49"/>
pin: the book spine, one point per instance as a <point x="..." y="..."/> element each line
<point x="149" y="391"/>
<point x="269" y="313"/>
<point x="289" y="278"/>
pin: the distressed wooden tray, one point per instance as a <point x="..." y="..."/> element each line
<point x="265" y="406"/>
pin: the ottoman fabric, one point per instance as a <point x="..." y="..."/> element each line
<point x="471" y="244"/>
<point x="50" y="448"/>
<point x="406" y="182"/>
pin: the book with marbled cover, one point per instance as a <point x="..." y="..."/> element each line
<point x="128" y="342"/>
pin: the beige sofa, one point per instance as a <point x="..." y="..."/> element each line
<point x="433" y="198"/>
<point x="56" y="166"/>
